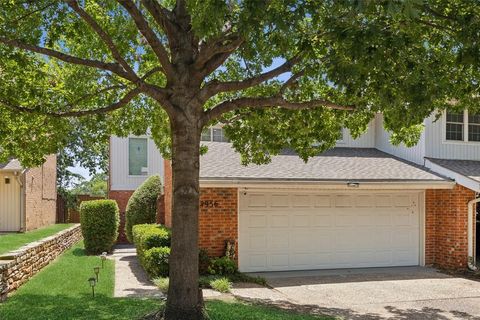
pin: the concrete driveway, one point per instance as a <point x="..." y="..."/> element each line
<point x="371" y="294"/>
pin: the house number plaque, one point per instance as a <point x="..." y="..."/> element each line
<point x="209" y="204"/>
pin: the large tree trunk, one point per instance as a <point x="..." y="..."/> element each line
<point x="184" y="297"/>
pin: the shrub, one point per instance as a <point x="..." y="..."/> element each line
<point x="142" y="205"/>
<point x="221" y="285"/>
<point x="99" y="222"/>
<point x="156" y="261"/>
<point x="147" y="238"/>
<point x="203" y="261"/>
<point x="222" y="266"/>
<point x="162" y="284"/>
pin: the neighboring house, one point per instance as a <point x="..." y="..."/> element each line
<point x="27" y="195"/>
<point x="364" y="203"/>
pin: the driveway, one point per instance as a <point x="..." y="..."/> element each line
<point x="371" y="294"/>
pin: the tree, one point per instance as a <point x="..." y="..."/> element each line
<point x="278" y="73"/>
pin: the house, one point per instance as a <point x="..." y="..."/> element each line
<point x="27" y="195"/>
<point x="365" y="203"/>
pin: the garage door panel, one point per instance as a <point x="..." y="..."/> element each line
<point x="292" y="231"/>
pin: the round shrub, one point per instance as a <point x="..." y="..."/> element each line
<point x="156" y="262"/>
<point x="99" y="221"/>
<point x="142" y="205"/>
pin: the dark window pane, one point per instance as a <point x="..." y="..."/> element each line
<point x="454" y="117"/>
<point x="474" y="132"/>
<point x="206" y="135"/>
<point x="219" y="136"/>
<point x="474" y="118"/>
<point x="137" y="156"/>
<point x="454" y="131"/>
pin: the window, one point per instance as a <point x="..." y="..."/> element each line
<point x="462" y="127"/>
<point x="474" y="127"/>
<point x="137" y="157"/>
<point x="214" y="134"/>
<point x="454" y="129"/>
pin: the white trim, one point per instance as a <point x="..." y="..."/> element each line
<point x="327" y="185"/>
<point x="421" y="225"/>
<point x="465" y="131"/>
<point x="459" y="178"/>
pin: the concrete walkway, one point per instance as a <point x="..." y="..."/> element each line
<point x="130" y="278"/>
<point x="370" y="294"/>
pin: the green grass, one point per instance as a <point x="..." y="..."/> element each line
<point x="12" y="241"/>
<point x="61" y="291"/>
<point x="221" y="310"/>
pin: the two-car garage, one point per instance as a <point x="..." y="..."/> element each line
<point x="303" y="230"/>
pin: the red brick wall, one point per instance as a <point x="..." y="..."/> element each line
<point x="74" y="215"/>
<point x="41" y="194"/>
<point x="218" y="223"/>
<point x="446" y="218"/>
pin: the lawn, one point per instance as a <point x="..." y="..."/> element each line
<point x="12" y="241"/>
<point x="61" y="291"/>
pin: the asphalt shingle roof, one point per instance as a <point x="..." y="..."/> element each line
<point x="338" y="164"/>
<point x="13" y="164"/>
<point x="468" y="168"/>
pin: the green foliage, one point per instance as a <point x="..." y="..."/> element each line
<point x="152" y="242"/>
<point x="221" y="285"/>
<point x="203" y="261"/>
<point x="242" y="277"/>
<point x="162" y="283"/>
<point x="142" y="205"/>
<point x="155" y="261"/>
<point x="222" y="266"/>
<point x="99" y="222"/>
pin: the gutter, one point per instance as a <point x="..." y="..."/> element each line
<point x="471" y="256"/>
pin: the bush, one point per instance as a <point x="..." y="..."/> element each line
<point x="221" y="285"/>
<point x="222" y="266"/>
<point x="203" y="261"/>
<point x="142" y="205"/>
<point x="147" y="238"/>
<point x="99" y="221"/>
<point x="156" y="261"/>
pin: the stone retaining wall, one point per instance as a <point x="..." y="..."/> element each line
<point x="16" y="267"/>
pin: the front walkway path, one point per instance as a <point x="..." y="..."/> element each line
<point x="130" y="278"/>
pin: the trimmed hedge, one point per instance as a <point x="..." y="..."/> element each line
<point x="142" y="205"/>
<point x="152" y="242"/>
<point x="99" y="221"/>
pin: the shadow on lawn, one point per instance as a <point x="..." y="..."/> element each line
<point x="36" y="307"/>
<point x="345" y="313"/>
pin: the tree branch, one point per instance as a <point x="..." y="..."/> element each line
<point x="215" y="87"/>
<point x="112" y="67"/>
<point x="269" y="102"/>
<point x="149" y="34"/>
<point x="26" y="15"/>
<point x="80" y="113"/>
<point x="219" y="58"/>
<point x="222" y="44"/>
<point x="104" y="36"/>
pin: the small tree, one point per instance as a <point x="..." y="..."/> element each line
<point x="142" y="205"/>
<point x="279" y="74"/>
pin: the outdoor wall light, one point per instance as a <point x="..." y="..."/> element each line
<point x="353" y="184"/>
<point x="92" y="283"/>
<point x="103" y="257"/>
<point x="97" y="271"/>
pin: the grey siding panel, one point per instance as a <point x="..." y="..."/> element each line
<point x="366" y="140"/>
<point x="382" y="142"/>
<point x="437" y="147"/>
<point x="119" y="177"/>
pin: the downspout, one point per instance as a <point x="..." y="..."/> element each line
<point x="19" y="176"/>
<point x="471" y="256"/>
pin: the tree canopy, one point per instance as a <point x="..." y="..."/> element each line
<point x="278" y="73"/>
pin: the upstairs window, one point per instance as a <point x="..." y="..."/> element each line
<point x="454" y="128"/>
<point x="463" y="126"/>
<point x="137" y="156"/>
<point x="214" y="134"/>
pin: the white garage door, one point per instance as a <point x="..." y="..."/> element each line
<point x="303" y="231"/>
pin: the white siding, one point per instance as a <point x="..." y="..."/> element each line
<point x="438" y="147"/>
<point x="119" y="177"/>
<point x="382" y="142"/>
<point x="366" y="140"/>
<point x="10" y="195"/>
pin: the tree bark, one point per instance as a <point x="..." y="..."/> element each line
<point x="184" y="297"/>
